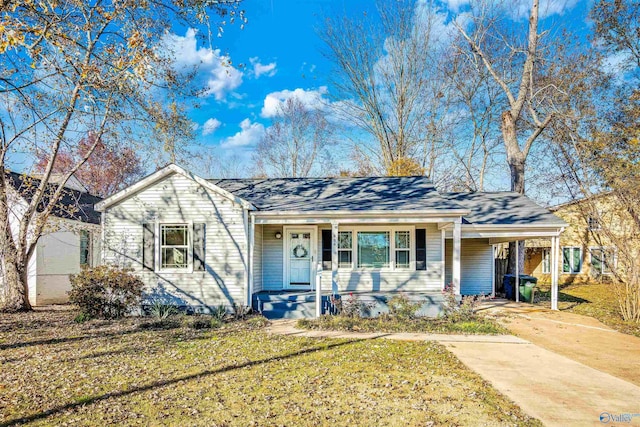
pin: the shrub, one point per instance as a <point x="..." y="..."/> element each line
<point x="460" y="311"/>
<point x="81" y="318"/>
<point x="162" y="311"/>
<point x="219" y="312"/>
<point x="402" y="307"/>
<point x="105" y="292"/>
<point x="351" y="306"/>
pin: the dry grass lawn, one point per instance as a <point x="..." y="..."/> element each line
<point x="596" y="300"/>
<point x="56" y="372"/>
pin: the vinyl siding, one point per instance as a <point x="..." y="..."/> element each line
<point x="257" y="259"/>
<point x="177" y="199"/>
<point x="476" y="260"/>
<point x="272" y="263"/>
<point x="386" y="281"/>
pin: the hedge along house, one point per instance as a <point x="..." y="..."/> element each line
<point x="69" y="241"/>
<point x="284" y="245"/>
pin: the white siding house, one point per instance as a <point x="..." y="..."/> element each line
<point x="71" y="240"/>
<point x="201" y="243"/>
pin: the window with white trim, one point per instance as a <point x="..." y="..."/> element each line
<point x="571" y="260"/>
<point x="345" y="249"/>
<point x="374" y="248"/>
<point x="402" y="249"/>
<point x="546" y="261"/>
<point x="175" y="247"/>
<point x="602" y="260"/>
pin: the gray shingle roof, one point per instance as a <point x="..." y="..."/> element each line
<point x="339" y="194"/>
<point x="73" y="204"/>
<point x="503" y="208"/>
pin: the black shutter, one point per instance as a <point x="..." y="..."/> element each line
<point x="326" y="250"/>
<point x="421" y="249"/>
<point x="148" y="245"/>
<point x="199" y="233"/>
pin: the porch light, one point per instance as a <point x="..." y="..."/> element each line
<point x="278" y="235"/>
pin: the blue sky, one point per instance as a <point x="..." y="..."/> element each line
<point x="277" y="55"/>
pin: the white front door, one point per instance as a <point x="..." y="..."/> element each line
<point x="299" y="257"/>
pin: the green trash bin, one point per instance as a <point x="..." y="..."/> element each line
<point x="527" y="285"/>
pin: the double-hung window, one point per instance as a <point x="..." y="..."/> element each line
<point x="174" y="246"/>
<point x="571" y="260"/>
<point x="546" y="261"/>
<point x="403" y="249"/>
<point x="602" y="260"/>
<point x="345" y="249"/>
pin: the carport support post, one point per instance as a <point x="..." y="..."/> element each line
<point x="555" y="256"/>
<point x="455" y="272"/>
<point x="517" y="290"/>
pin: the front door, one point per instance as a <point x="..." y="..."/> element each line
<point x="299" y="257"/>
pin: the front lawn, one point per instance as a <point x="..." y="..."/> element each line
<point x="479" y="325"/>
<point x="595" y="299"/>
<point x="56" y="372"/>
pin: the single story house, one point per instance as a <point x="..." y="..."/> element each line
<point x="71" y="238"/>
<point x="201" y="243"/>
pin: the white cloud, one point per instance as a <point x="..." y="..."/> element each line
<point x="312" y="99"/>
<point x="519" y="9"/>
<point x="249" y="135"/>
<point x="210" y="126"/>
<point x="260" y="69"/>
<point x="218" y="77"/>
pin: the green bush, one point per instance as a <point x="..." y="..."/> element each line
<point x="400" y="306"/>
<point x="81" y="318"/>
<point x="162" y="311"/>
<point x="219" y="312"/>
<point x="105" y="292"/>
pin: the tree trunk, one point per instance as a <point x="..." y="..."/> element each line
<point x="16" y="287"/>
<point x="516" y="161"/>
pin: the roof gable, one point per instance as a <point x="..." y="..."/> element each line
<point x="161" y="174"/>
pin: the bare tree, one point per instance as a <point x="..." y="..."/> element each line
<point x="68" y="70"/>
<point x="383" y="78"/>
<point x="295" y="142"/>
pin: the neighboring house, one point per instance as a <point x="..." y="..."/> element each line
<point x="587" y="255"/>
<point x="201" y="243"/>
<point x="71" y="238"/>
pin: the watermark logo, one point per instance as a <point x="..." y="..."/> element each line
<point x="626" y="417"/>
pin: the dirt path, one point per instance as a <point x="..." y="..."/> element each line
<point x="580" y="338"/>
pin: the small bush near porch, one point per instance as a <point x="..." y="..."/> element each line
<point x="57" y="372"/>
<point x="460" y="317"/>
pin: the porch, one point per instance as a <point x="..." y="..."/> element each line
<point x="302" y="304"/>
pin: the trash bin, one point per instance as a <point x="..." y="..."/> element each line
<point x="509" y="283"/>
<point x="527" y="283"/>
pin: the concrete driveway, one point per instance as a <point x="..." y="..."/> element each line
<point x="560" y="375"/>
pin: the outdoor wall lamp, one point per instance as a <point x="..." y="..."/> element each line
<point x="278" y="235"/>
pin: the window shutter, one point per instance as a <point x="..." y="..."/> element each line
<point x="421" y="249"/>
<point x="199" y="232"/>
<point x="148" y="245"/>
<point x="326" y="250"/>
